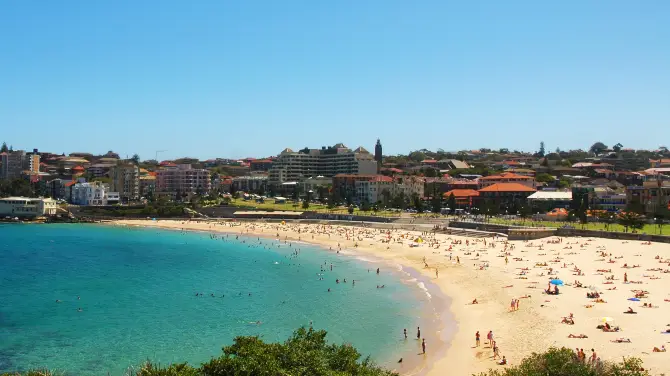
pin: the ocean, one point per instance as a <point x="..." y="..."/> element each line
<point x="137" y="287"/>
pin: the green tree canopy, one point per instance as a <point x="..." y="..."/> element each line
<point x="563" y="362"/>
<point x="597" y="148"/>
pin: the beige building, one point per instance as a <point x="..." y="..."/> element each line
<point x="24" y="207"/>
<point x="126" y="181"/>
<point x="183" y="179"/>
<point x="293" y="166"/>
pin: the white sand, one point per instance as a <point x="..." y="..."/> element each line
<point x="537" y="324"/>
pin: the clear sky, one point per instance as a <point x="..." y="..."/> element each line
<point x="251" y="77"/>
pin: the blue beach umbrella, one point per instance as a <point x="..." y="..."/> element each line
<point x="634" y="299"/>
<point x="556" y="282"/>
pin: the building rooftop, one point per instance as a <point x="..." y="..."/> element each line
<point x="461" y="193"/>
<point x="507" y="187"/>
<point x="506" y="175"/>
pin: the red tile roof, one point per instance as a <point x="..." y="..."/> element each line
<point x="70" y="184"/>
<point x="261" y="161"/>
<point x="506" y="175"/>
<point x="461" y="193"/>
<point x="507" y="187"/>
<point x="429" y="161"/>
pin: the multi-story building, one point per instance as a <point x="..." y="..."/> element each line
<point x="33" y="162"/>
<point x="260" y="165"/>
<point x="183" y="179"/>
<point x="89" y="194"/>
<point x="24" y="207"/>
<point x="293" y="166"/>
<point x="126" y="180"/>
<point x="100" y="170"/>
<point x="652" y="195"/>
<point x="147" y="185"/>
<point x="371" y="187"/>
<point x="253" y="183"/>
<point x="13" y="163"/>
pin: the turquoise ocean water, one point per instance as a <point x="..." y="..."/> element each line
<point x="136" y="289"/>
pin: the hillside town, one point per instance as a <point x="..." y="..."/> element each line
<point x="600" y="181"/>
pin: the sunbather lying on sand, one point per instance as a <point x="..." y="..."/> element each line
<point x="621" y="340"/>
<point x="578" y="336"/>
<point x="662" y="349"/>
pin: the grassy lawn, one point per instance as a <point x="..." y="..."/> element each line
<point x="651" y="229"/>
<point x="319" y="208"/>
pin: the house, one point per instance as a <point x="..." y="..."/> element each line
<point x="547" y="200"/>
<point x="452" y="164"/>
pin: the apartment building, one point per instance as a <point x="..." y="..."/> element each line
<point x="182" y="179"/>
<point x="126" y="180"/>
<point x="13" y="163"/>
<point x="147" y="185"/>
<point x="90" y="194"/>
<point x="293" y="166"/>
<point x="371" y="187"/>
<point x="253" y="183"/>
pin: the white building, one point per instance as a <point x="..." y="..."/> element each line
<point x="90" y="194"/>
<point x="24" y="207"/>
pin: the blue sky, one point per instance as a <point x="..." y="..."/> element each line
<point x="249" y="78"/>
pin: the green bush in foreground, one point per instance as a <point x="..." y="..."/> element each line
<point x="307" y="353"/>
<point x="563" y="362"/>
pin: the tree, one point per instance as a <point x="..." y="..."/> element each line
<point x="451" y="202"/>
<point x="617" y="148"/>
<point x="350" y="209"/>
<point x="564" y="362"/>
<point x="545" y="178"/>
<point x="365" y="205"/>
<point x="4" y="148"/>
<point x="399" y="201"/>
<point x="386" y="197"/>
<point x="661" y="215"/>
<point x="540" y="153"/>
<point x="306" y="352"/>
<point x="436" y="202"/>
<point x="597" y="148"/>
<point x="135" y="159"/>
<point x="417" y="203"/>
<point x="632" y="220"/>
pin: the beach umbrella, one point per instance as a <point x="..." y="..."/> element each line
<point x="418" y="240"/>
<point x="634" y="299"/>
<point x="607" y="319"/>
<point x="556" y="282"/>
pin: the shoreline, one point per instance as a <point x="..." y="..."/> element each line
<point x="484" y="273"/>
<point x="437" y="300"/>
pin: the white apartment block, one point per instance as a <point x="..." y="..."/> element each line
<point x="89" y="194"/>
<point x="326" y="162"/>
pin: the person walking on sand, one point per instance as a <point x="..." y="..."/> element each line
<point x="437" y="273"/>
<point x="517" y="304"/>
<point x="418" y="333"/>
<point x="423" y="345"/>
<point x="489" y="337"/>
<point x="477" y="339"/>
<point x="405" y="332"/>
<point x="625" y="277"/>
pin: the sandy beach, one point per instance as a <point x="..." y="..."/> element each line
<point x="599" y="277"/>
